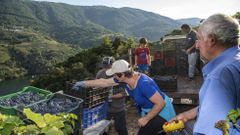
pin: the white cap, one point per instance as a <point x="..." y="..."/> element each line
<point x="118" y="66"/>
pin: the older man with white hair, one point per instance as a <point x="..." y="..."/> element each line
<point x="218" y="41"/>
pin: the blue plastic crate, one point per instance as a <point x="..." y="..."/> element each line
<point x="93" y="115"/>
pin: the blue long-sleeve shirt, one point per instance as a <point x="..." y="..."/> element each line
<point x="219" y="93"/>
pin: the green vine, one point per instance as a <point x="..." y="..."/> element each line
<point x="47" y="124"/>
<point x="233" y="116"/>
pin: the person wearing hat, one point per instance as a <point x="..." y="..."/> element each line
<point x="116" y="102"/>
<point x="155" y="105"/>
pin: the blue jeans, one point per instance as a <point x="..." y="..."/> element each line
<point x="192" y="60"/>
<point x="143" y="68"/>
<point x="119" y="122"/>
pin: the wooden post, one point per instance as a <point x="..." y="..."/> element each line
<point x="130" y="56"/>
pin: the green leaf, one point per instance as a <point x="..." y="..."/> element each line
<point x="20" y="130"/>
<point x="35" y="117"/>
<point x="7" y="129"/>
<point x="73" y="123"/>
<point x="68" y="129"/>
<point x="8" y="123"/>
<point x="52" y="131"/>
<point x="73" y="116"/>
<point x="33" y="129"/>
<point x="51" y="118"/>
<point x="2" y="117"/>
<point x="58" y="124"/>
<point x="27" y="130"/>
<point x="13" y="120"/>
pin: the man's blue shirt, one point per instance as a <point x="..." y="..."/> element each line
<point x="220" y="92"/>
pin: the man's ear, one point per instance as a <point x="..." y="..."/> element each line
<point x="212" y="40"/>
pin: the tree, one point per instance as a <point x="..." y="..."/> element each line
<point x="237" y="15"/>
<point x="131" y="43"/>
<point x="116" y="43"/>
<point x="106" y="42"/>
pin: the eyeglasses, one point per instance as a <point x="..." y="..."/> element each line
<point x="119" y="75"/>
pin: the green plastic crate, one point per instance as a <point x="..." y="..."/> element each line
<point x="11" y="110"/>
<point x="43" y="92"/>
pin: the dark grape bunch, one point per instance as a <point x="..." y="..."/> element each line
<point x="54" y="106"/>
<point x="22" y="99"/>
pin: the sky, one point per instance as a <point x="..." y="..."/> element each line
<point x="174" y="9"/>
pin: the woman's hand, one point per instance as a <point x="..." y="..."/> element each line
<point x="159" y="103"/>
<point x="142" y="121"/>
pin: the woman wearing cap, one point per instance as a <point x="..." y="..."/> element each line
<point x="155" y="105"/>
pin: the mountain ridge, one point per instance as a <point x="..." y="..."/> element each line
<point x="193" y="22"/>
<point x="57" y="18"/>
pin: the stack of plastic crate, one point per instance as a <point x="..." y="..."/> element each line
<point x="93" y="115"/>
<point x="91" y="96"/>
<point x="181" y="57"/>
<point x="94" y="103"/>
<point x="164" y="59"/>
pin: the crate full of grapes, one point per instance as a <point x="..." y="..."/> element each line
<point x="57" y="103"/>
<point x="27" y="96"/>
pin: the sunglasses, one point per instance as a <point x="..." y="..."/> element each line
<point x="108" y="60"/>
<point x="119" y="75"/>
